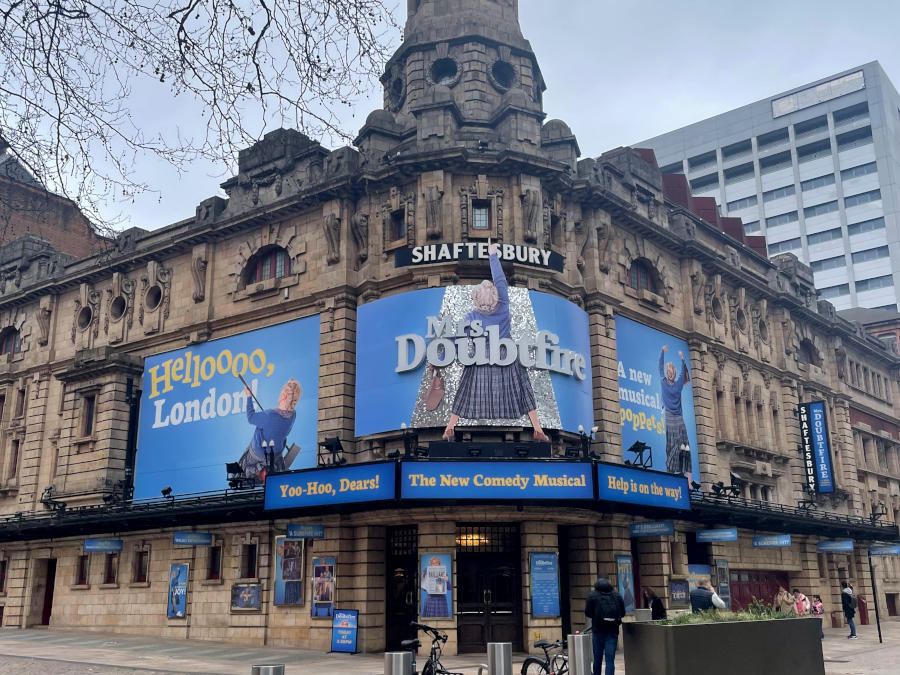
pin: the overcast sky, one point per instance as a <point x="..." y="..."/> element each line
<point x="620" y="71"/>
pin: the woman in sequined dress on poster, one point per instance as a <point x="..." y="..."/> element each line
<point x="489" y="392"/>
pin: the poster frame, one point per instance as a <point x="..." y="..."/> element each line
<point x="254" y="590"/>
<point x="280" y="581"/>
<point x="171" y="609"/>
<point x="546" y="555"/>
<point x="445" y="561"/>
<point x="625" y="580"/>
<point x="319" y="609"/>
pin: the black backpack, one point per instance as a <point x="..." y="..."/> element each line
<point x="607" y="608"/>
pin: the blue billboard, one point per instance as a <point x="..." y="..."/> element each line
<point x="341" y="485"/>
<point x="473" y="356"/>
<point x="250" y="400"/>
<point x="496" y="480"/>
<point x="838" y="545"/>
<point x="656" y="399"/>
<point x="892" y="549"/>
<point x="815" y="446"/>
<point x="344" y="626"/>
<point x="771" y="540"/>
<point x="192" y="539"/>
<point x="544" y="584"/>
<point x="177" y="602"/>
<point x="617" y="483"/>
<point x="305" y="531"/>
<point x="724" y="534"/>
<point x="102" y="545"/>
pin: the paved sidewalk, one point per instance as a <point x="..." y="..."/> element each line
<point x="38" y="652"/>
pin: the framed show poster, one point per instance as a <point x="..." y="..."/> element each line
<point x="322" y="605"/>
<point x="288" y="571"/>
<point x="178" y="579"/>
<point x="436" y="596"/>
<point x="625" y="577"/>
<point x="245" y="597"/>
<point x="679" y="593"/>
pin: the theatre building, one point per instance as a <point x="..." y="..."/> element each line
<point x="453" y="373"/>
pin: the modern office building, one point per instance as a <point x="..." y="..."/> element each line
<point x="814" y="169"/>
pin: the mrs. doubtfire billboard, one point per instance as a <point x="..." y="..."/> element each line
<point x="656" y="398"/>
<point x="473" y="355"/>
<point x="250" y="399"/>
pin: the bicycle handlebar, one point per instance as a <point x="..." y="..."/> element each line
<point x="437" y="635"/>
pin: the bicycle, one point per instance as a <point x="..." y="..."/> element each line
<point x="552" y="664"/>
<point x="433" y="665"/>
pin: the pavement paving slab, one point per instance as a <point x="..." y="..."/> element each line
<point x="45" y="652"/>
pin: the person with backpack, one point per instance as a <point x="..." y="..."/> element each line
<point x="704" y="598"/>
<point x="606" y="609"/>
<point x="849" y="603"/>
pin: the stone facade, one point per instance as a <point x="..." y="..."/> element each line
<point x="462" y="125"/>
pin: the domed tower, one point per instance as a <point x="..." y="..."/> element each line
<point x="464" y="76"/>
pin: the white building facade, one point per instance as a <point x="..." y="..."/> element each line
<point x="815" y="170"/>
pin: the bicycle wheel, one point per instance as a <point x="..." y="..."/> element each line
<point x="535" y="666"/>
<point x="428" y="668"/>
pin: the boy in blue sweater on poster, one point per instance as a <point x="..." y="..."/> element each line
<point x="678" y="446"/>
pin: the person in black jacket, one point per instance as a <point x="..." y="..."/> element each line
<point x="606" y="609"/>
<point x="654" y="604"/>
<point x="849" y="604"/>
<point x="704" y="598"/>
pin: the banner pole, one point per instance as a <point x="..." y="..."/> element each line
<point x="875" y="596"/>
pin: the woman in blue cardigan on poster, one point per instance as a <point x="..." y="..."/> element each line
<point x="678" y="445"/>
<point x="490" y="392"/>
<point x="272" y="429"/>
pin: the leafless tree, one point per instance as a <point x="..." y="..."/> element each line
<point x="69" y="70"/>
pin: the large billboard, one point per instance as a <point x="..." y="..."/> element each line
<point x="656" y="399"/>
<point x="815" y="447"/>
<point x="473" y="355"/>
<point x="197" y="414"/>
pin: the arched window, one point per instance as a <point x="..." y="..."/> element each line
<point x="272" y="262"/>
<point x="807" y="353"/>
<point x="10" y="342"/>
<point x="642" y="276"/>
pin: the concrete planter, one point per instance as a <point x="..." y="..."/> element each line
<point x="772" y="646"/>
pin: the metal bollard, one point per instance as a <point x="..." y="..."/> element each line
<point x="397" y="663"/>
<point x="268" y="669"/>
<point x="499" y="658"/>
<point x="581" y="654"/>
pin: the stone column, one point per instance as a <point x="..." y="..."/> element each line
<point x="703" y="389"/>
<point x="537" y="536"/>
<point x="608" y="440"/>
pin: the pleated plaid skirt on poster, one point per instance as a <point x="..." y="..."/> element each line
<point x="678" y="445"/>
<point x="494" y="392"/>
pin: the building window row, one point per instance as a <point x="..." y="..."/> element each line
<point x="874" y="283"/>
<point x="828" y="263"/>
<point x="753" y="227"/>
<point x="858" y="171"/>
<point x="705" y="183"/>
<point x="738" y="204"/>
<point x="784" y="246"/>
<point x="822" y="237"/>
<point x="854" y="139"/>
<point x="834" y="291"/>
<point x="870" y="381"/>
<point x="814" y="183"/>
<point x="775" y="163"/>
<point x="871" y="254"/>
<point x="782" y="219"/>
<point x="811" y="151"/>
<point x="862" y="198"/>
<point x="779" y="193"/>
<point x="820" y="209"/>
<point x="864" y="226"/>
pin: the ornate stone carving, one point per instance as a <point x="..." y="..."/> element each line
<point x="199" y="263"/>
<point x="44" y="313"/>
<point x="86" y="317"/>
<point x="604" y="239"/>
<point x="531" y="208"/>
<point x="698" y="290"/>
<point x="434" y="216"/>
<point x="331" y="225"/>
<point x="276" y="234"/>
<point x="119" y="308"/>
<point x="481" y="189"/>
<point x="359" y="233"/>
<point x="155" y="297"/>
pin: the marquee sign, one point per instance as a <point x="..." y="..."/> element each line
<point x="815" y="447"/>
<point x="430" y="254"/>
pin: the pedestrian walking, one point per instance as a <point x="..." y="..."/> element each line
<point x="605" y="608"/>
<point x="849" y="603"/>
<point x="818" y="609"/>
<point x="704" y="598"/>
<point x="654" y="604"/>
<point x="784" y="601"/>
<point x="801" y="603"/>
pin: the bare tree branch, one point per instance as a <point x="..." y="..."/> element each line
<point x="69" y="70"/>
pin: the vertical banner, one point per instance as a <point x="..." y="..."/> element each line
<point x="288" y="571"/>
<point x="178" y="579"/>
<point x="679" y="593"/>
<point x="196" y="415"/>
<point x="815" y="447"/>
<point x="723" y="583"/>
<point x="656" y="399"/>
<point x="436" y="596"/>
<point x="544" y="584"/>
<point x="344" y="630"/>
<point x="625" y="575"/>
<point x="322" y="604"/>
